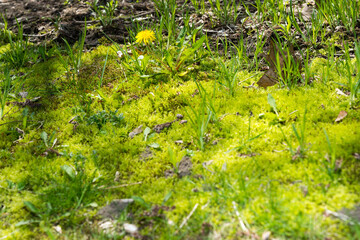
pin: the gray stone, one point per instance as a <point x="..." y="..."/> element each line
<point x="185" y="166"/>
<point x="114" y="209"/>
<point x="179" y="116"/>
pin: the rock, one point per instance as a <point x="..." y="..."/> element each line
<point x="179" y="116"/>
<point x="168" y="173"/>
<point x="114" y="209"/>
<point x="130" y="228"/>
<point x="185" y="166"/>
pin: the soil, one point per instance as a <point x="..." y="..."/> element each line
<point x="55" y="20"/>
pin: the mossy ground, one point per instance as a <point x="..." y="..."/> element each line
<point x="272" y="190"/>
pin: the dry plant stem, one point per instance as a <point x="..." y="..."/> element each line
<point x="188" y="216"/>
<point x="120" y="186"/>
<point x="7" y="112"/>
<point x="242" y="224"/>
<point x="15" y="122"/>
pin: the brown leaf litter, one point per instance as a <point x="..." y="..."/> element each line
<point x="278" y="56"/>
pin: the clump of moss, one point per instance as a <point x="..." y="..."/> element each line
<point x="272" y="188"/>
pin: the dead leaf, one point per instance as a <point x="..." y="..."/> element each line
<point x="277" y="57"/>
<point x="243" y="155"/>
<point x="23" y="94"/>
<point x="341" y="116"/>
<point x="136" y="131"/>
<point x="338" y="215"/>
<point x="58" y="229"/>
<point x="20" y="131"/>
<point x="158" y="128"/>
<point x="117" y="176"/>
<point x="133" y="97"/>
<point x="147" y="154"/>
<point x="307" y="11"/>
<point x="339" y="92"/>
<point x="28" y="102"/>
<point x="196" y="92"/>
<point x="353" y="213"/>
<point x="206" y="164"/>
<point x="107" y="226"/>
<point x="266" y="235"/>
<point x="304" y="190"/>
<point x="268" y="79"/>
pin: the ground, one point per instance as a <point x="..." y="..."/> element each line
<point x="230" y="127"/>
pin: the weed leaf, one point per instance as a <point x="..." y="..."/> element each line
<point x="69" y="171"/>
<point x="272" y="103"/>
<point x="146" y="133"/>
<point x="44" y="137"/>
<point x="141" y="201"/>
<point x="31" y="207"/>
<point x="154" y="145"/>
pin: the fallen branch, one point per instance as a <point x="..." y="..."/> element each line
<point x="242" y="224"/>
<point x="120" y="186"/>
<point x="188" y="216"/>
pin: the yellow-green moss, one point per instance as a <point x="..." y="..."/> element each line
<point x="267" y="188"/>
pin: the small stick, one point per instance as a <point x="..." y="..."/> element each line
<point x="242" y="224"/>
<point x="121" y="186"/>
<point x="188" y="216"/>
<point x="7" y="112"/>
<point x="15" y="122"/>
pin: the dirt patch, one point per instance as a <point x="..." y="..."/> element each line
<point x="55" y="20"/>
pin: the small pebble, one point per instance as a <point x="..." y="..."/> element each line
<point x="179" y="116"/>
<point x="130" y="228"/>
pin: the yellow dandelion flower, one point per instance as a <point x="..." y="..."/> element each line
<point x="145" y="36"/>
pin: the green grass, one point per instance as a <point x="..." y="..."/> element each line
<point x="273" y="159"/>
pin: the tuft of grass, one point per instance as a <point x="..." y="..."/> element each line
<point x="20" y="52"/>
<point x="72" y="63"/>
<point x="105" y="13"/>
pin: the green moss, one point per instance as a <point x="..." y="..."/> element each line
<point x="272" y="191"/>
